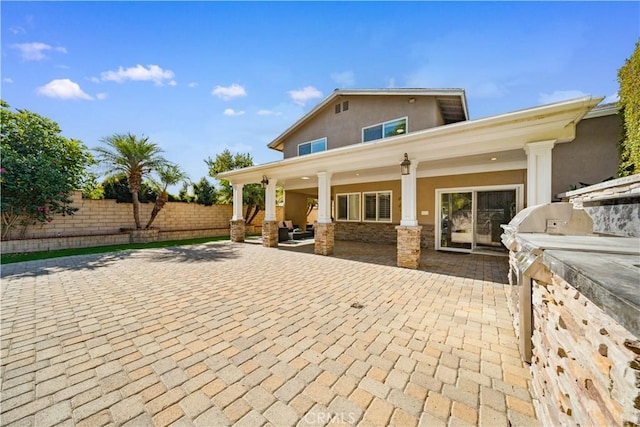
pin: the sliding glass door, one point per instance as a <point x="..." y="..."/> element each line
<point x="456" y="221"/>
<point x="469" y="219"/>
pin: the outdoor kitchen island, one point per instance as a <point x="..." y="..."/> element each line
<point x="575" y="297"/>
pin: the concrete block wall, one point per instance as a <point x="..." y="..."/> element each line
<point x="108" y="218"/>
<point x="586" y="366"/>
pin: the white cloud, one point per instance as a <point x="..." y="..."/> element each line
<point x="559" y="95"/>
<point x="7" y="80"/>
<point x="269" y="113"/>
<point x="232" y="112"/>
<point x="152" y="73"/>
<point x="344" y="79"/>
<point x="63" y="89"/>
<point x="611" y="98"/>
<point x="229" y="92"/>
<point x="300" y="97"/>
<point x="16" y="29"/>
<point x="101" y="95"/>
<point x="173" y="83"/>
<point x="35" y="51"/>
<point x="193" y="84"/>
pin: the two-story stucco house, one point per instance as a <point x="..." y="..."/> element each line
<point x="408" y="166"/>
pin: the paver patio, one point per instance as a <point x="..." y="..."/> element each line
<point x="224" y="333"/>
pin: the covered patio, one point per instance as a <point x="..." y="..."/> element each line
<point x="513" y="148"/>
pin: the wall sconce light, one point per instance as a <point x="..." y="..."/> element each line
<point x="264" y="182"/>
<point x="412" y="100"/>
<point x="404" y="166"/>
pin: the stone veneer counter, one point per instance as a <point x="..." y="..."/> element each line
<point x="610" y="281"/>
<point x="586" y="330"/>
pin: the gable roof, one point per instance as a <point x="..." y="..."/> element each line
<point x="452" y="104"/>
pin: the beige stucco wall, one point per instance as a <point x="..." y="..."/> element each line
<point x="345" y="128"/>
<point x="295" y="208"/>
<point x="591" y="157"/>
<point x="296" y="201"/>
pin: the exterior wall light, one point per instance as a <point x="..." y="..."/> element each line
<point x="404" y="166"/>
<point x="264" y="182"/>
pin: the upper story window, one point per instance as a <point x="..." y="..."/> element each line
<point x="312" y="146"/>
<point x="385" y="130"/>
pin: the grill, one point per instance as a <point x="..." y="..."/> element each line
<point x="529" y="233"/>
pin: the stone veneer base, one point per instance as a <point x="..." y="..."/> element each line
<point x="237" y="230"/>
<point x="324" y="238"/>
<point x="270" y="234"/>
<point x="585" y="366"/>
<point x="408" y="246"/>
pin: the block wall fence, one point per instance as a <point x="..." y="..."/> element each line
<point x="104" y="222"/>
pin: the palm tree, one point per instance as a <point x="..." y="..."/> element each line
<point x="132" y="156"/>
<point x="169" y="174"/>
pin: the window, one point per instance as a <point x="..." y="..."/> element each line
<point x="312" y="146"/>
<point x="337" y="108"/>
<point x="377" y="206"/>
<point x="385" y="130"/>
<point x="348" y="207"/>
<point x="345" y="105"/>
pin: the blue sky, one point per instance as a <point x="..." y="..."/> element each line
<point x="199" y="77"/>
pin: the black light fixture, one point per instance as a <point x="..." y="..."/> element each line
<point x="264" y="182"/>
<point x="404" y="166"/>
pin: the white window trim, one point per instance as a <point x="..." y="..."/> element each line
<point x="311" y="144"/>
<point x="377" y="220"/>
<point x="406" y="118"/>
<point x="359" y="207"/>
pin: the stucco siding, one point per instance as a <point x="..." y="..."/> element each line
<point x="345" y="128"/>
<point x="591" y="157"/>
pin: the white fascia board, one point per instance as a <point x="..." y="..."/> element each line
<point x="492" y="134"/>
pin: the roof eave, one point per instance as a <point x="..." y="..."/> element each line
<point x="570" y="112"/>
<point x="277" y="143"/>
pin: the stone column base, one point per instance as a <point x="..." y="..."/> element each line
<point x="237" y="230"/>
<point x="270" y="234"/>
<point x="324" y="238"/>
<point x="408" y="246"/>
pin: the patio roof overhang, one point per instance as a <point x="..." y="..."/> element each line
<point x="463" y="147"/>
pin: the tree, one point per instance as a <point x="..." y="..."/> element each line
<point x="116" y="187"/>
<point x="204" y="192"/>
<point x="629" y="107"/>
<point x="40" y="169"/>
<point x="134" y="157"/>
<point x="168" y="174"/>
<point x="252" y="194"/>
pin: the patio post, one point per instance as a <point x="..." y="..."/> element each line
<point x="270" y="223"/>
<point x="237" y="221"/>
<point x="325" y="229"/>
<point x="539" y="172"/>
<point x="408" y="238"/>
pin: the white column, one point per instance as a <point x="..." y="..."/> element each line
<point x="539" y="161"/>
<point x="324" y="197"/>
<point x="237" y="202"/>
<point x="270" y="201"/>
<point x="409" y="197"/>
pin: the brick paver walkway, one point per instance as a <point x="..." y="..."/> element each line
<point x="224" y="333"/>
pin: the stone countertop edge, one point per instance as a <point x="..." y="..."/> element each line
<point x="609" y="281"/>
